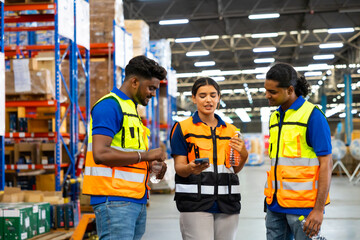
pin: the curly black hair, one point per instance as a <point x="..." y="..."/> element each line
<point x="287" y="76"/>
<point x="144" y="67"/>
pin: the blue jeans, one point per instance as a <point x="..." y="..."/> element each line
<point x="282" y="226"/>
<point x="120" y="220"/>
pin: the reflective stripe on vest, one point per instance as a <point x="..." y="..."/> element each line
<point x="220" y="169"/>
<point x="284" y="161"/>
<point x="296" y="186"/>
<point x="107" y="172"/>
<point x="129" y="176"/>
<point x="98" y="171"/>
<point x="208" y="190"/>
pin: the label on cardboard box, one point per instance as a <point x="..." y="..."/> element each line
<point x="27" y="222"/>
<point x="41" y="230"/>
<point x="43" y="214"/>
<point x="11" y="213"/>
<point x="35" y="209"/>
<point x="24" y="235"/>
<point x="22" y="80"/>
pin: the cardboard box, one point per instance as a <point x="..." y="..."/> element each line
<point x="46" y="182"/>
<point x="34" y="196"/>
<point x="13" y="197"/>
<point x="33" y="231"/>
<point x="17" y="222"/>
<point x="43" y="218"/>
<point x="40" y="83"/>
<point x="140" y="34"/>
<point x="24" y="149"/>
<point x="32" y="63"/>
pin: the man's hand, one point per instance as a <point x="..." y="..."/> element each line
<point x="313" y="223"/>
<point x="156" y="154"/>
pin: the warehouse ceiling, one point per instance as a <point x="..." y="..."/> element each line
<point x="225" y="30"/>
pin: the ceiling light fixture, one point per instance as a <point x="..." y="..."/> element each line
<point x="312" y="74"/>
<point x="211" y="72"/>
<point x="264" y="16"/>
<point x="186" y="40"/>
<point x="197" y="53"/>
<point x="341" y="30"/>
<point x="260" y="76"/>
<point x="331" y="45"/>
<point x="264" y="49"/>
<point x="243" y="115"/>
<point x="173" y="21"/>
<point x="264" y="60"/>
<point x="210" y="37"/>
<point x="204" y="64"/>
<point x="318" y="66"/>
<point x="264" y="35"/>
<point x="218" y="78"/>
<point x="324" y="57"/>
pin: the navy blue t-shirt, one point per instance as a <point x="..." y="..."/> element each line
<point x="179" y="147"/>
<point x="318" y="137"/>
<point x="107" y="119"/>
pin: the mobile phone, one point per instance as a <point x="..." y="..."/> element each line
<point x="201" y="160"/>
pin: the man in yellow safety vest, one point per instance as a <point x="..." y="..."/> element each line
<point x="300" y="152"/>
<point x="118" y="160"/>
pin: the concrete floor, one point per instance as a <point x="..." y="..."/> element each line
<point x="341" y="221"/>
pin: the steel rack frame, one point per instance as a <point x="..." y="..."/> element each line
<point x="2" y="138"/>
<point x="74" y="53"/>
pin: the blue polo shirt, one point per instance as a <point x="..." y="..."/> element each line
<point x="107" y="119"/>
<point x="318" y="137"/>
<point x="179" y="147"/>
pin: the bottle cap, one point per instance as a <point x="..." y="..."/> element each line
<point x="301" y="218"/>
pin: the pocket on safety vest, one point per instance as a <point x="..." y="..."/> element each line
<point x="233" y="188"/>
<point x="268" y="190"/>
<point x="297" y="185"/>
<point x="205" y="149"/>
<point x="291" y="144"/>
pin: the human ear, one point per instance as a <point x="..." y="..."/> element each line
<point x="193" y="99"/>
<point x="134" y="82"/>
<point x="290" y="90"/>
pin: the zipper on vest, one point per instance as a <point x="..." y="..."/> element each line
<point x="277" y="152"/>
<point x="213" y="136"/>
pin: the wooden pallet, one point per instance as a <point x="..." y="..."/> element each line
<point x="55" y="235"/>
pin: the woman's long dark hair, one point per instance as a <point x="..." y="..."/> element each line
<point x="287" y="76"/>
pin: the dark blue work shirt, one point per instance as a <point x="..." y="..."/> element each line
<point x="107" y="119"/>
<point x="318" y="137"/>
<point x="179" y="147"/>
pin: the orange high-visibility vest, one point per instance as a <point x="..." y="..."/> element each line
<point x="128" y="181"/>
<point x="216" y="183"/>
<point x="294" y="172"/>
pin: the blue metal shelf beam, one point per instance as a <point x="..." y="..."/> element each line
<point x="2" y="138"/>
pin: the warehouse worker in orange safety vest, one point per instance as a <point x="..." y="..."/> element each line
<point x="300" y="153"/>
<point x="118" y="161"/>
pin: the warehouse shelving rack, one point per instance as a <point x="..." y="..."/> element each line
<point x="74" y="53"/>
<point x="2" y="138"/>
